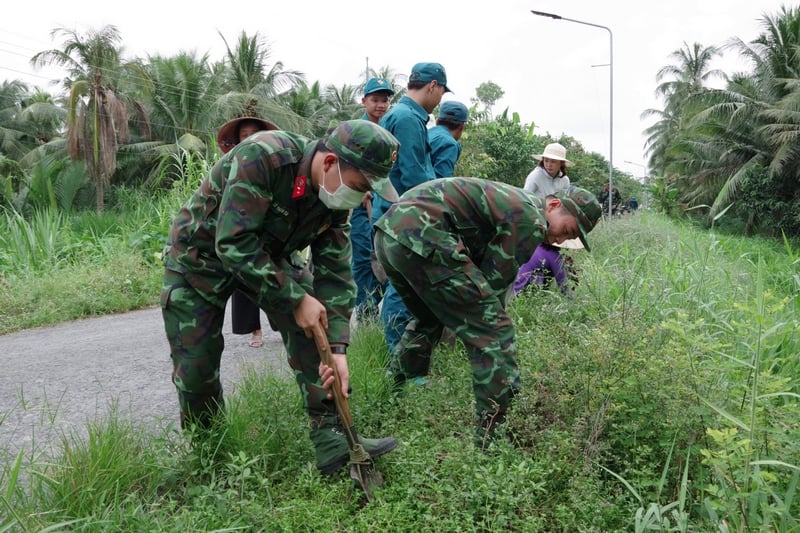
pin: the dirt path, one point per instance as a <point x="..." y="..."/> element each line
<point x="54" y="379"/>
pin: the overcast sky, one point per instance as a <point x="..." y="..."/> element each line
<point x="554" y="73"/>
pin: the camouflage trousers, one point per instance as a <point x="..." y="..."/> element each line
<point x="194" y="330"/>
<point x="441" y="292"/>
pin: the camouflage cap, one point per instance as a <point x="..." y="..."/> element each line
<point x="369" y="148"/>
<point x="585" y="207"/>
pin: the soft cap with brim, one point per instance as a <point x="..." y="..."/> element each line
<point x="228" y="134"/>
<point x="554" y="151"/>
<point x="369" y="148"/>
<point x="453" y="111"/>
<point x="585" y="207"/>
<point x="428" y="72"/>
<point x="378" y="85"/>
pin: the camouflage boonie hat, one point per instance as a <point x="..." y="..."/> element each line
<point x="369" y="148"/>
<point x="585" y="207"/>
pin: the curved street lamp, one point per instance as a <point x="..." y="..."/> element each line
<point x="610" y="93"/>
<point x="644" y="167"/>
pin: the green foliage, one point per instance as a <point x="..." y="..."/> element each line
<point x="734" y="146"/>
<point x="500" y="150"/>
<point x="33" y="245"/>
<point x="10" y="181"/>
<point x="55" y="267"/>
<point x="487" y="94"/>
<point x="767" y="204"/>
<point x="664" y="196"/>
<point x="662" y="395"/>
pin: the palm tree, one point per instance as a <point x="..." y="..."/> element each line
<point x="12" y="134"/>
<point x="739" y="145"/>
<point x="307" y="102"/>
<point x="344" y="101"/>
<point x="252" y="84"/>
<point x="758" y="111"/>
<point x="398" y="81"/>
<point x="182" y="90"/>
<point x="42" y="116"/>
<point x="96" y="115"/>
<point x="679" y="83"/>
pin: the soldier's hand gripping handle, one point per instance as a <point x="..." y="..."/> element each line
<point x="310" y="313"/>
<point x="331" y="365"/>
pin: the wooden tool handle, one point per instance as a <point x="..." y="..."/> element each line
<point x="342" y="405"/>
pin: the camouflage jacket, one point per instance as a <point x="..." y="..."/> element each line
<point x="495" y="225"/>
<point x="249" y="217"/>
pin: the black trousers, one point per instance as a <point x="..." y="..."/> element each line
<point x="245" y="314"/>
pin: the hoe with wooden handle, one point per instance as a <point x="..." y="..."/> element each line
<point x="362" y="468"/>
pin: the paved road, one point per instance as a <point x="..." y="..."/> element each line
<point x="53" y="380"/>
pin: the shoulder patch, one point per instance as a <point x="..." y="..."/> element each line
<point x="299" y="188"/>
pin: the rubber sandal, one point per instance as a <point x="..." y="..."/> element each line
<point x="256" y="342"/>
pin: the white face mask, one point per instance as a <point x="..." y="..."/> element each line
<point x="343" y="198"/>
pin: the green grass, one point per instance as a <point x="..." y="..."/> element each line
<point x="663" y="396"/>
<point x="56" y="267"/>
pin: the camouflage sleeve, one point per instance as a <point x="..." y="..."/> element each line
<point x="500" y="263"/>
<point x="244" y="205"/>
<point x="331" y="253"/>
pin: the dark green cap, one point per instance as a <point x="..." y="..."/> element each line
<point x="378" y="85"/>
<point x="428" y="72"/>
<point x="369" y="148"/>
<point x="584" y="206"/>
<point x="453" y="111"/>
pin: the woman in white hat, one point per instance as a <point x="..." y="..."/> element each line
<point x="548" y="178"/>
<point x="550" y="175"/>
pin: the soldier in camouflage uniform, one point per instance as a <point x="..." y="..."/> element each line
<point x="452" y="247"/>
<point x="271" y="196"/>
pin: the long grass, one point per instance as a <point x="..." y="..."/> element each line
<point x="662" y="395"/>
<point x="56" y="266"/>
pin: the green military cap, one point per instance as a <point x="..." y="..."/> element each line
<point x="428" y="72"/>
<point x="584" y="206"/>
<point x="453" y="111"/>
<point x="369" y="148"/>
<point x="378" y="85"/>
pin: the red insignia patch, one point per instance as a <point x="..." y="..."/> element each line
<point x="299" y="187"/>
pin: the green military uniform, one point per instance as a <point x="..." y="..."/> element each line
<point x="452" y="247"/>
<point x="242" y="229"/>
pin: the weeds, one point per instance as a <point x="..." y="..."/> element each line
<point x="663" y="395"/>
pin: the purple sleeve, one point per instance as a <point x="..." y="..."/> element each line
<point x="543" y="258"/>
<point x="527" y="274"/>
<point x="523" y="276"/>
<point x="559" y="269"/>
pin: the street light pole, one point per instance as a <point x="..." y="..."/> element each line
<point x="644" y="167"/>
<point x="610" y="95"/>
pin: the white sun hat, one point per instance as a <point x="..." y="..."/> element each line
<point x="554" y="151"/>
<point x="571" y="244"/>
